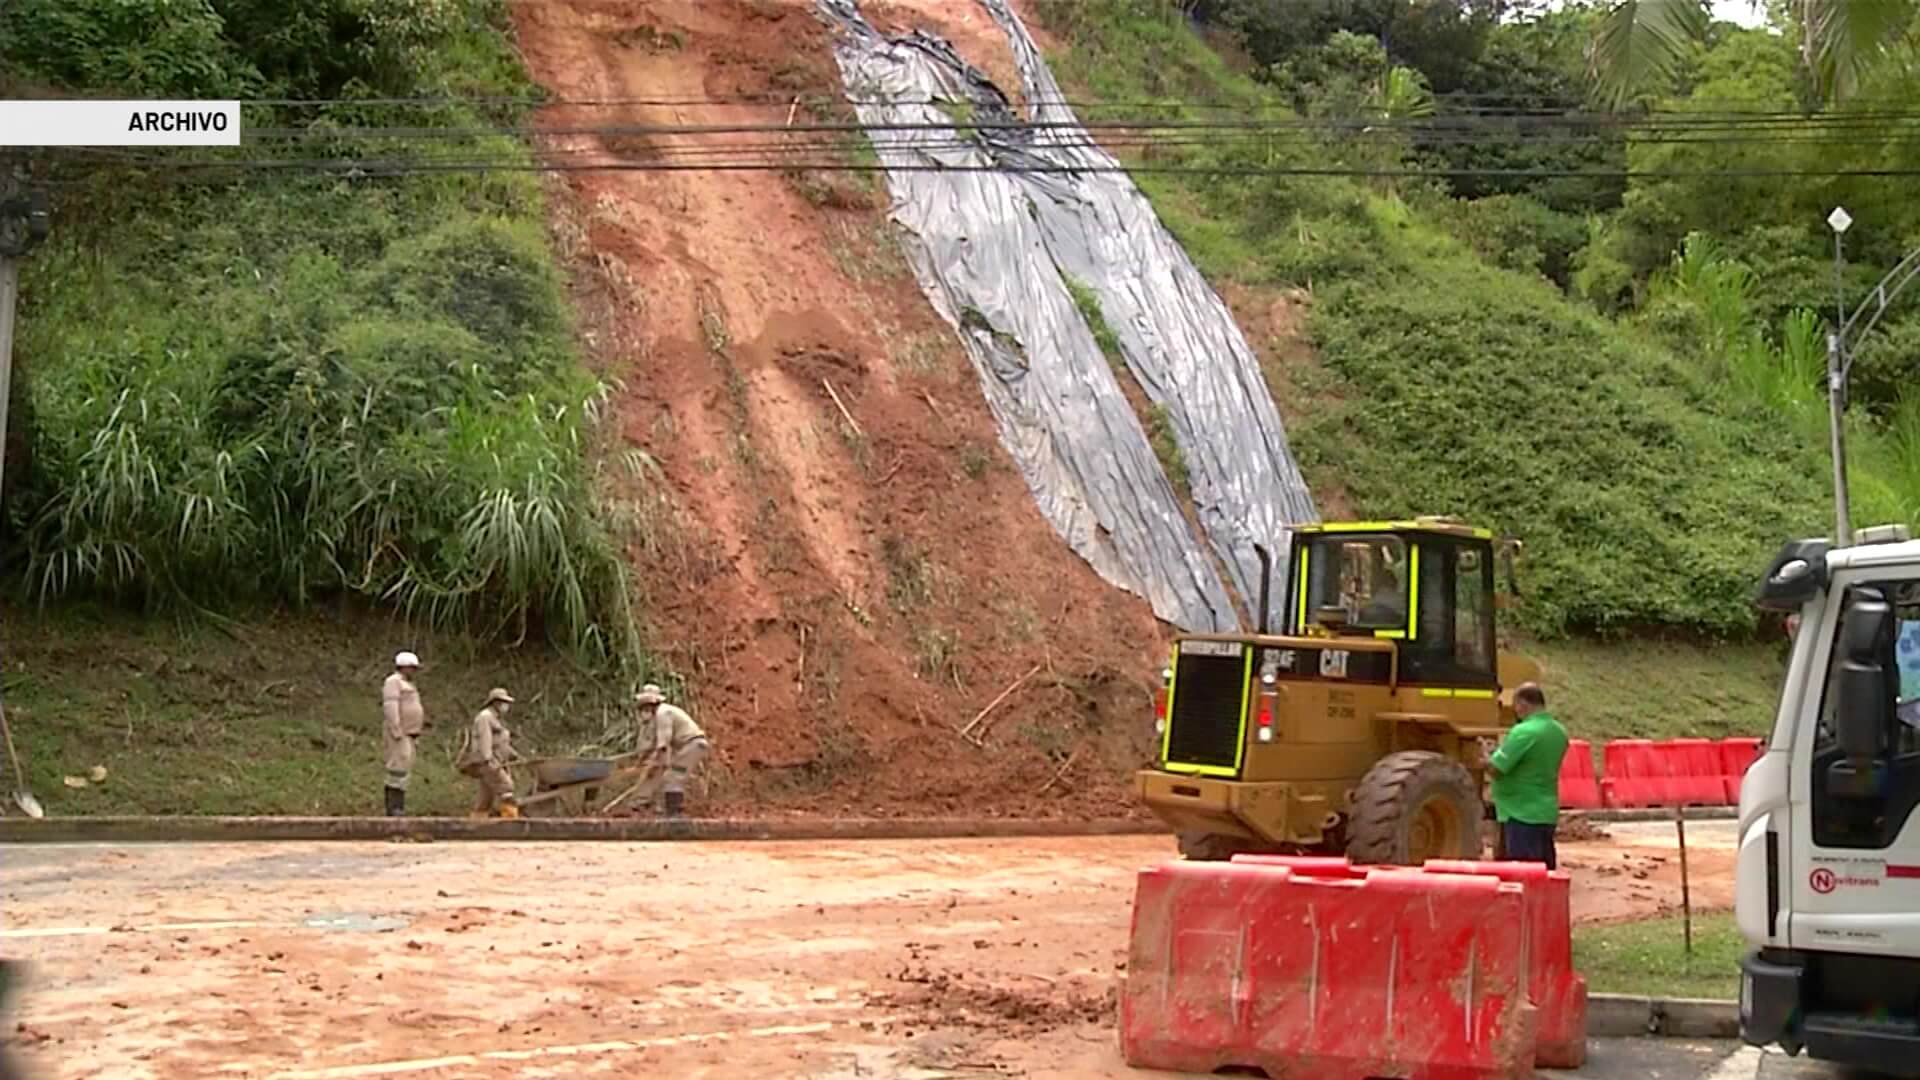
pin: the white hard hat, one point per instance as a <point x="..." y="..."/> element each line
<point x="406" y="659"/>
<point x="649" y="695"/>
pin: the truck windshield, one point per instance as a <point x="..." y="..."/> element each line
<point x="1362" y="577"/>
<point x="1906" y="653"/>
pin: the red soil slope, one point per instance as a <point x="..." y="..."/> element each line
<point x="840" y="600"/>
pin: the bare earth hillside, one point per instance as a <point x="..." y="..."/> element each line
<point x="842" y="590"/>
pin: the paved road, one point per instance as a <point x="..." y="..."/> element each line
<point x="333" y="961"/>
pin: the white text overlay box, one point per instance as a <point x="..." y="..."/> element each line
<point x="119" y="123"/>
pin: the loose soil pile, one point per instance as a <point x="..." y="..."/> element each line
<point x="840" y="557"/>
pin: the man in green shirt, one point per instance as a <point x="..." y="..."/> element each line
<point x="1526" y="779"/>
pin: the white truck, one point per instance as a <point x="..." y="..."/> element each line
<point x="1827" y="886"/>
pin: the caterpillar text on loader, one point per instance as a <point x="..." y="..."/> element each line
<point x="1827" y="878"/>
<point x="1356" y="729"/>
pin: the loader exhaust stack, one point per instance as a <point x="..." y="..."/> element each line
<point x="1266" y="584"/>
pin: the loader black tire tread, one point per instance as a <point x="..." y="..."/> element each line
<point x="1212" y="847"/>
<point x="1390" y="794"/>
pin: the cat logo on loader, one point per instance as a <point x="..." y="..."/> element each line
<point x="1356" y="729"/>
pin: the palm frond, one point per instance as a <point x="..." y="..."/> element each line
<point x="1639" y="45"/>
<point x="1844" y="38"/>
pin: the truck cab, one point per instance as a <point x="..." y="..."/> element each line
<point x="1828" y="871"/>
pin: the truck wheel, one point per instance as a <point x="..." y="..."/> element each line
<point x="1413" y="806"/>
<point x="1211" y="847"/>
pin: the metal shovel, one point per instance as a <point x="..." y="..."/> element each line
<point x="21" y="796"/>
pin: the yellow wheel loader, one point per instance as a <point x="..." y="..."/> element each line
<point x="1356" y="728"/>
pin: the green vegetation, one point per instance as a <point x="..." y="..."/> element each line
<point x="192" y="718"/>
<point x="1167" y="449"/>
<point x="1659" y="689"/>
<point x="283" y="387"/>
<point x="960" y="113"/>
<point x="1650" y="958"/>
<point x="1648" y="489"/>
<point x="975" y="460"/>
<point x="1088" y="302"/>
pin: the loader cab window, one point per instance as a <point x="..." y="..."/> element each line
<point x="1453" y="643"/>
<point x="1354" y="583"/>
<point x="1866" y="809"/>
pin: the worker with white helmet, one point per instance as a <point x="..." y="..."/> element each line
<point x="670" y="735"/>
<point x="406" y="718"/>
<point x="486" y="753"/>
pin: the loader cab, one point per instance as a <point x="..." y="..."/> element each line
<point x="1427" y="586"/>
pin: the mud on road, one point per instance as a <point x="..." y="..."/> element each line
<point x="438" y="960"/>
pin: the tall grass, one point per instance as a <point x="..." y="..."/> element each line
<point x="415" y="432"/>
<point x="292" y="388"/>
<point x="1705" y="305"/>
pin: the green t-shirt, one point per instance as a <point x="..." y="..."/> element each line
<point x="1528" y="787"/>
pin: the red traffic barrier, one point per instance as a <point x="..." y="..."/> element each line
<point x="1579" y="785"/>
<point x="1558" y="991"/>
<point x="1632" y="775"/>
<point x="1736" y="757"/>
<point x="1335" y="975"/>
<point x="1696" y="776"/>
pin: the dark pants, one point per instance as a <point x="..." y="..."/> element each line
<point x="1529" y="843"/>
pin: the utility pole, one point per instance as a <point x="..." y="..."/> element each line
<point x="1837" y="382"/>
<point x="23" y="224"/>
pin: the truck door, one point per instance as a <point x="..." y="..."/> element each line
<point x="1855" y="785"/>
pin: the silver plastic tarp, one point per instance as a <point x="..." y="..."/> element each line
<point x="995" y="222"/>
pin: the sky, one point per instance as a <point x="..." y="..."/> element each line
<point x="1740" y="12"/>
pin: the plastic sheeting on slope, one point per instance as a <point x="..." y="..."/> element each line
<point x="977" y="246"/>
<point x="1179" y="338"/>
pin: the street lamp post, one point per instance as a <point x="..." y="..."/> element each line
<point x="1837" y="382"/>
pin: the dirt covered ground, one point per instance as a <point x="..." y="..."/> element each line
<point x="895" y="959"/>
<point x="840" y="557"/>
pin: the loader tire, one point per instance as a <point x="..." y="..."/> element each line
<point x="1413" y="806"/>
<point x="1212" y="847"/>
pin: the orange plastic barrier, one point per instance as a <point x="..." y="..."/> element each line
<point x="1697" y="777"/>
<point x="1579" y="784"/>
<point x="1675" y="772"/>
<point x="1338" y="974"/>
<point x="1633" y="775"/>
<point x="1559" y="992"/>
<point x="1554" y="988"/>
<point x="1736" y="756"/>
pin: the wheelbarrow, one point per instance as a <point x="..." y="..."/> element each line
<point x="557" y="780"/>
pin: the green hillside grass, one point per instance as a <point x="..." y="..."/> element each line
<point x="1659" y="689"/>
<point x="1647" y="492"/>
<point x="273" y="714"/>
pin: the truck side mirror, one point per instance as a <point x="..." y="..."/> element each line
<point x="1864" y="703"/>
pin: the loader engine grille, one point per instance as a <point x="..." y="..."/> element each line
<point x="1208" y="694"/>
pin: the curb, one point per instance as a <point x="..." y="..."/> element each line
<point x="183" y="829"/>
<point x="1626" y="1016"/>
<point x="160" y="830"/>
<point x="1657" y="813"/>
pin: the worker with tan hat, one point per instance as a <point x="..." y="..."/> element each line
<point x="485" y="754"/>
<point x="405" y="719"/>
<point x="669" y="734"/>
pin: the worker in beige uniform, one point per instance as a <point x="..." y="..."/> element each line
<point x="671" y="736"/>
<point x="405" y="720"/>
<point x="488" y="749"/>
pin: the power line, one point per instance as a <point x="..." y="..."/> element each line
<point x="392" y="168"/>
